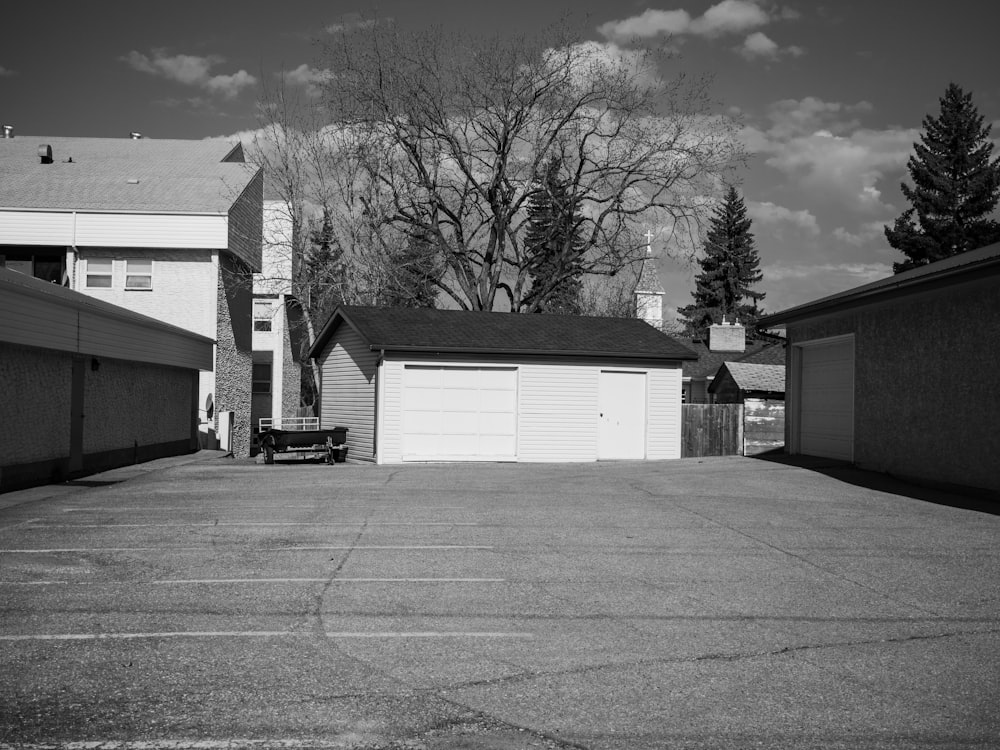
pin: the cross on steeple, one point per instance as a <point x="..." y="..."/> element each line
<point x="649" y="242"/>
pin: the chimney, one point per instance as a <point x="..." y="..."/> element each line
<point x="727" y="337"/>
<point x="135" y="135"/>
<point x="8" y="131"/>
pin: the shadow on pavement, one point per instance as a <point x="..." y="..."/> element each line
<point x="982" y="501"/>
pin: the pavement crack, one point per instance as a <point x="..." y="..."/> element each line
<point x="318" y="613"/>
<point x="528" y="675"/>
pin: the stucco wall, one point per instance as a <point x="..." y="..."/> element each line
<point x="35" y="406"/>
<point x="926" y="403"/>
<point x="234" y="358"/>
<point x="129" y="403"/>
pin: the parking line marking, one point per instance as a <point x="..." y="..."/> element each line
<point x="180" y="744"/>
<point x="223" y="509"/>
<point x="209" y="581"/>
<point x="362" y="522"/>
<point x="430" y="634"/>
<point x="265" y="634"/>
<point x="437" y="547"/>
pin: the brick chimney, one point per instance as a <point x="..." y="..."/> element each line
<point x="727" y="337"/>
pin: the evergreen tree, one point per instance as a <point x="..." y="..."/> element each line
<point x="416" y="269"/>
<point x="323" y="274"/>
<point x="553" y="248"/>
<point x="955" y="187"/>
<point x="729" y="268"/>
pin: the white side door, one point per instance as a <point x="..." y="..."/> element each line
<point x="621" y="429"/>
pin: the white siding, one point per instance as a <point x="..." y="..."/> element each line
<point x="347" y="398"/>
<point x="558" y="413"/>
<point x="663" y="426"/>
<point x="151" y="230"/>
<point x="36" y="228"/>
<point x="557" y="407"/>
<point x="390" y="407"/>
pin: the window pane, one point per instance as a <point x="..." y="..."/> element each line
<point x="99" y="265"/>
<point x="99" y="281"/>
<point x="99" y="273"/>
<point x="138" y="282"/>
<point x="262" y="371"/>
<point x="140" y="265"/>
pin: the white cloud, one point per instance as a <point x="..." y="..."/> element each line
<point x="759" y="45"/>
<point x="727" y="17"/>
<point x="820" y="147"/>
<point x="309" y="78"/>
<point x="6" y="72"/>
<point x="190" y="70"/>
<point x="858" y="273"/>
<point x="866" y="233"/>
<point x="648" y="24"/>
<point x="765" y="212"/>
<point x="730" y="17"/>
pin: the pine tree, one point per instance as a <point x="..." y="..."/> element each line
<point x="729" y="268"/>
<point x="416" y="269"/>
<point x="956" y="187"/>
<point x="553" y="247"/>
<point x="323" y="272"/>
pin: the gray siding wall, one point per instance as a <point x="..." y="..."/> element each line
<point x="926" y="403"/>
<point x="347" y="397"/>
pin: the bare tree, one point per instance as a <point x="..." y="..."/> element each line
<point x="448" y="132"/>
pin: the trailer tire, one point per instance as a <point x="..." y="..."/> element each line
<point x="268" y="453"/>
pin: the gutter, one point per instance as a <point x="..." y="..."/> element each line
<point x="383" y="348"/>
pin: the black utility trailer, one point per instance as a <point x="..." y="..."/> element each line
<point x="328" y="444"/>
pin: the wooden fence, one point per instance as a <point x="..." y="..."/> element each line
<point x="711" y="430"/>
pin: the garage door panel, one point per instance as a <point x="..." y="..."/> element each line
<point x="459" y="413"/>
<point x="826" y="409"/>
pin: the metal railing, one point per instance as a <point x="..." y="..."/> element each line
<point x="288" y="423"/>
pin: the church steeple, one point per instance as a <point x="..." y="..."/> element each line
<point x="649" y="291"/>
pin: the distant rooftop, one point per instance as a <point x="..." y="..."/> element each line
<point x="753" y="377"/>
<point x="122" y="174"/>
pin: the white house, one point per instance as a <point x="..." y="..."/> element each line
<point x="451" y="385"/>
<point x="167" y="228"/>
<point x="278" y="326"/>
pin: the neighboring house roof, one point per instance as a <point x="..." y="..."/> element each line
<point x="962" y="267"/>
<point x="753" y="377"/>
<point x="122" y="175"/>
<point x="708" y="362"/>
<point x="459" y="331"/>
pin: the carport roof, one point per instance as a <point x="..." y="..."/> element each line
<point x="458" y="331"/>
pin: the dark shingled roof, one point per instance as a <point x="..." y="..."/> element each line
<point x="708" y="362"/>
<point x="753" y="377"/>
<point x="985" y="260"/>
<point x="457" y="331"/>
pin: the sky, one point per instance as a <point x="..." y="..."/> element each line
<point x="830" y="96"/>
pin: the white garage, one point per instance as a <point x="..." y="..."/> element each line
<point x="449" y="385"/>
<point x="825" y="413"/>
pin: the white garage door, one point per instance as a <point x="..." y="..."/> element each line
<point x="459" y="413"/>
<point x="826" y="405"/>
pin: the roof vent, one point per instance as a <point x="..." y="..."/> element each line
<point x="8" y="131"/>
<point x="135" y="135"/>
<point x="45" y="153"/>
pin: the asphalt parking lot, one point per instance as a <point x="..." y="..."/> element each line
<point x="713" y="603"/>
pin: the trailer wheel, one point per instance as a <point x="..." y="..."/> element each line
<point x="268" y="453"/>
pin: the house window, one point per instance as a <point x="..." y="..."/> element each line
<point x="99" y="273"/>
<point x="262" y="315"/>
<point x="139" y="273"/>
<point x="262" y="378"/>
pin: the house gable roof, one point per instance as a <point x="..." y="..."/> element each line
<point x="956" y="269"/>
<point x="749" y="376"/>
<point x="708" y="362"/>
<point x="122" y="175"/>
<point x="458" y="331"/>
